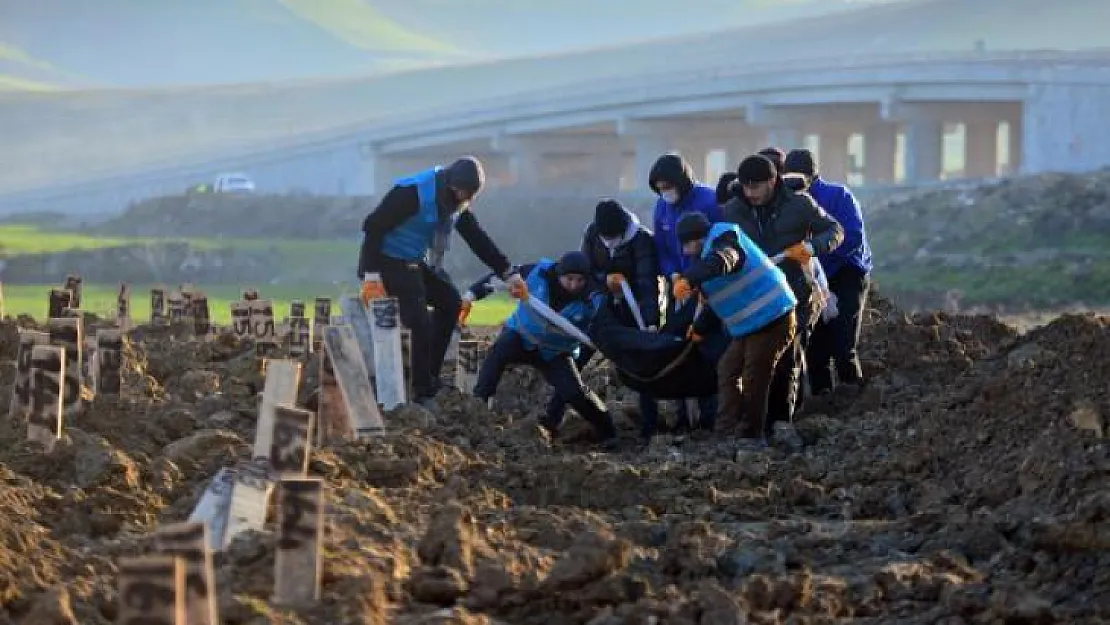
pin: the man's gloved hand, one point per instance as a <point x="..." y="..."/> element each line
<point x="691" y="335"/>
<point x="517" y="286"/>
<point x="682" y="289"/>
<point x="799" y="252"/>
<point x="372" y="290"/>
<point x="613" y="282"/>
<point x="465" y="308"/>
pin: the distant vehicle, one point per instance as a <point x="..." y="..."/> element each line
<point x="233" y="183"/>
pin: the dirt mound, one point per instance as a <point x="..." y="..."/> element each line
<point x="964" y="485"/>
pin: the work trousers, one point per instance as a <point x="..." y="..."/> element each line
<point x="418" y="287"/>
<point x="745" y="371"/>
<point x="560" y="372"/>
<point x="837" y="340"/>
<point x="786" y="386"/>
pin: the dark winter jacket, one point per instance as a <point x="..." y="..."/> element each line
<point x="634" y="257"/>
<point x="401" y="203"/>
<point x="692" y="196"/>
<point x="486" y="286"/>
<point x="788" y="219"/>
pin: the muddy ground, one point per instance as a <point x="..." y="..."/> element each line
<point x="968" y="484"/>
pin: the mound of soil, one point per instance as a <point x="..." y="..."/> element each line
<point x="966" y="484"/>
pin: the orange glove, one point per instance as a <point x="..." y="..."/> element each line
<point x="464" y="311"/>
<point x="371" y="290"/>
<point x="517" y="287"/>
<point x="799" y="252"/>
<point x="613" y="281"/>
<point x="693" y="336"/>
<point x="682" y="289"/>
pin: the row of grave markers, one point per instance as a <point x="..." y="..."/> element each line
<point x="175" y="585"/>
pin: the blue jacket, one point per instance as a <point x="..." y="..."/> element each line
<point x="838" y="201"/>
<point x="538" y="333"/>
<point x="754" y="295"/>
<point x="700" y="199"/>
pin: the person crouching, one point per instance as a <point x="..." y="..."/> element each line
<point x="750" y="296"/>
<point x="528" y="338"/>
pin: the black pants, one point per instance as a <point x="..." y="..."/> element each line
<point x="417" y="287"/>
<point x="785" y="396"/>
<point x="557" y="406"/>
<point x="559" y="372"/>
<point x="838" y="339"/>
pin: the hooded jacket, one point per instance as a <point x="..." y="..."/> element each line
<point x="634" y="257"/>
<point x="838" y="200"/>
<point x="692" y="196"/>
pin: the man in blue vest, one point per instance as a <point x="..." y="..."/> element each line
<point x="848" y="269"/>
<point x="528" y="338"/>
<point x="751" y="297"/>
<point x="405" y="239"/>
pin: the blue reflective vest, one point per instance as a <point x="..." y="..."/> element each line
<point x="749" y="299"/>
<point x="538" y="333"/>
<point x="412" y="239"/>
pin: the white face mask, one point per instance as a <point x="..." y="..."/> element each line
<point x="611" y="243"/>
<point x="670" y="196"/>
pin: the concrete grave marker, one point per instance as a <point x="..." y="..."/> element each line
<point x="189" y="541"/>
<point x="297" y="563"/>
<point x="48" y="382"/>
<point x="354" y="382"/>
<point x="152" y="591"/>
<point x="389" y="369"/>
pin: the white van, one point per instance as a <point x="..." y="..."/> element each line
<point x="233" y="183"/>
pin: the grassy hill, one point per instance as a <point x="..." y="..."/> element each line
<point x="70" y="135"/>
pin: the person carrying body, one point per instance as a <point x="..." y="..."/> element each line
<point x="747" y="294"/>
<point x="782" y="221"/>
<point x="404" y="241"/>
<point x="528" y="338"/>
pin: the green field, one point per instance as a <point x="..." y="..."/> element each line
<point x="101" y="300"/>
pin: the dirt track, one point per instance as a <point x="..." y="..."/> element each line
<point x="957" y="489"/>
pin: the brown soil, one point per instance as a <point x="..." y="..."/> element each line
<point x="967" y="484"/>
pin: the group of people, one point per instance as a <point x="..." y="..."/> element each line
<point x="733" y="296"/>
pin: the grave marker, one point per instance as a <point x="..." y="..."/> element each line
<point x="20" y="405"/>
<point x="353" y="381"/>
<point x="354" y="315"/>
<point x="241" y="320"/>
<point x="321" y="318"/>
<point x="60" y="299"/>
<point x="388" y="366"/>
<point x="406" y="360"/>
<point x="333" y="423"/>
<point x="68" y="332"/>
<point x="73" y="285"/>
<point x="189" y="542"/>
<point x="152" y="591"/>
<point x="202" y="319"/>
<point x="48" y="382"/>
<point x="123" y="307"/>
<point x="158" y="307"/>
<point x="214" y="505"/>
<point x="297" y="564"/>
<point x="292" y="440"/>
<point x="262" y="326"/>
<point x="282" y="379"/>
<point x="471" y="355"/>
<point x="109" y="355"/>
<point x="250" y="498"/>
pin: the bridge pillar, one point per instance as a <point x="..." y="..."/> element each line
<point x="648" y="148"/>
<point x="833" y="154"/>
<point x="784" y="138"/>
<point x="1064" y="128"/>
<point x="924" y="150"/>
<point x="880" y="150"/>
<point x="981" y="149"/>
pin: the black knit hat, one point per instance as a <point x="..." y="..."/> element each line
<point x="573" y="262"/>
<point x="756" y="168"/>
<point x="692" y="226"/>
<point x="724" y="184"/>
<point x="610" y="219"/>
<point x="801" y="161"/>
<point x="466" y="174"/>
<point x="776" y="156"/>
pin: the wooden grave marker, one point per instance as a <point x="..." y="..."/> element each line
<point x="283" y="377"/>
<point x="91" y="373"/>
<point x="241" y="320"/>
<point x="109" y="358"/>
<point x="321" y="318"/>
<point x="152" y="591"/>
<point x="333" y="423"/>
<point x="158" y="307"/>
<point x="250" y="498"/>
<point x="189" y="541"/>
<point x="250" y="295"/>
<point x="123" y="307"/>
<point x="353" y="381"/>
<point x="3" y="306"/>
<point x="451" y="356"/>
<point x="176" y="304"/>
<point x="60" y="299"/>
<point x="388" y="367"/>
<point x="73" y="285"/>
<point x="68" y="333"/>
<point x="300" y="332"/>
<point x="355" y="315"/>
<point x="20" y="405"/>
<point x="292" y="441"/>
<point x="214" y="505"/>
<point x="298" y="564"/>
<point x="262" y="327"/>
<point x="48" y="382"/>
<point x="471" y="355"/>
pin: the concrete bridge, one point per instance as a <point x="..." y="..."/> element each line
<point x="875" y="121"/>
